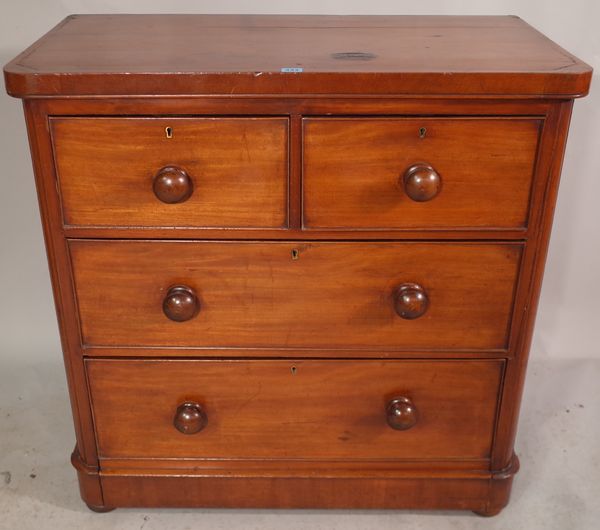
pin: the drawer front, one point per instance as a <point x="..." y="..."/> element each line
<point x="396" y="296"/>
<point x="211" y="172"/>
<point x="294" y="409"/>
<point x="425" y="173"/>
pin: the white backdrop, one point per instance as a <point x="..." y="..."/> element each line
<point x="568" y="323"/>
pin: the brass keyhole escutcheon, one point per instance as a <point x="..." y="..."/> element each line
<point x="422" y="132"/>
<point x="169" y="132"/>
<point x="295" y="253"/>
<point x="293" y="369"/>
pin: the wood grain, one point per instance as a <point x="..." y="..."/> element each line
<point x="277" y="105"/>
<point x="353" y="172"/>
<point x="291" y="492"/>
<point x="106" y="168"/>
<point x="62" y="288"/>
<point x="294" y="409"/>
<point x="237" y="55"/>
<point x="495" y="96"/>
<point x="443" y="484"/>
<point x="255" y="295"/>
<point x="550" y="160"/>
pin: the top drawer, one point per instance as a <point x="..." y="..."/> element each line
<point x="421" y="173"/>
<point x="170" y="172"/>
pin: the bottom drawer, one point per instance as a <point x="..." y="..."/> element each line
<point x="280" y="409"/>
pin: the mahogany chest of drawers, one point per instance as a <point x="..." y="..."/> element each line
<point x="296" y="260"/>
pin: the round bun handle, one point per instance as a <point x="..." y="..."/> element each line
<point x="421" y="182"/>
<point x="172" y="185"/>
<point x="401" y="414"/>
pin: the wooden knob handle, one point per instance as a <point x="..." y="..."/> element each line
<point x="181" y="303"/>
<point x="401" y="413"/>
<point x="172" y="185"/>
<point x="410" y="301"/>
<point x="190" y="418"/>
<point x="422" y="182"/>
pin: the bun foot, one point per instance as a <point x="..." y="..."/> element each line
<point x="490" y="511"/>
<point x="99" y="509"/>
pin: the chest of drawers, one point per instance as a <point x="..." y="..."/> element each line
<point x="296" y="260"/>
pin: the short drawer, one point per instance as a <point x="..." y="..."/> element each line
<point x="294" y="409"/>
<point x="418" y="173"/>
<point x="370" y="295"/>
<point x="172" y="172"/>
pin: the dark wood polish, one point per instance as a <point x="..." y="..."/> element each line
<point x="410" y="301"/>
<point x="421" y="182"/>
<point x="190" y="418"/>
<point x="172" y="185"/>
<point x="339" y="265"/>
<point x="181" y="303"/>
<point x="401" y="414"/>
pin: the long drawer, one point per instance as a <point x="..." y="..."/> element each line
<point x="294" y="408"/>
<point x="418" y="173"/>
<point x="370" y="295"/>
<point x="172" y="172"/>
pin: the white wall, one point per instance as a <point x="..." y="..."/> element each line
<point x="569" y="317"/>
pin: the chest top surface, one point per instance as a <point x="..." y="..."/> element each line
<point x="449" y="56"/>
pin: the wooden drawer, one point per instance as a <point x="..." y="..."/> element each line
<point x="115" y="171"/>
<point x="294" y="409"/>
<point x="418" y="173"/>
<point x="296" y="294"/>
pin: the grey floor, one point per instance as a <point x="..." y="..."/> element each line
<point x="558" y="486"/>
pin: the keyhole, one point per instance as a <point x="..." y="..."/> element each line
<point x="169" y="132"/>
<point x="295" y="253"/>
<point x="293" y="370"/>
<point x="422" y="132"/>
